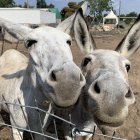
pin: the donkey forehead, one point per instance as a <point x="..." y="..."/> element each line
<point x="48" y="34"/>
<point x="108" y="58"/>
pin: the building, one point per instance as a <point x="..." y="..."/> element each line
<point x="58" y="14"/>
<point x="27" y="16"/>
<point x="110" y="21"/>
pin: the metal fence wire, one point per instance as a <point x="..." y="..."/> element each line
<point x="75" y="131"/>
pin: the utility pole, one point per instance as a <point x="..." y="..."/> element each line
<point x="120" y="9"/>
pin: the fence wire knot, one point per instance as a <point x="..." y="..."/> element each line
<point x="75" y="132"/>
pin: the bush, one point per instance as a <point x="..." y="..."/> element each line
<point x="71" y="4"/>
<point x="68" y="11"/>
<point x="129" y="20"/>
<point x="68" y="14"/>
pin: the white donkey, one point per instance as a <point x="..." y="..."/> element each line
<point x="49" y="75"/>
<point x="107" y="86"/>
<point x="107" y="94"/>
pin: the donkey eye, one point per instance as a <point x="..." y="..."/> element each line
<point x="127" y="67"/>
<point x="29" y="43"/>
<point x="69" y="42"/>
<point x="86" y="61"/>
<point x="97" y="88"/>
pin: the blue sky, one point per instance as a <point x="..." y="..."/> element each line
<point x="126" y="5"/>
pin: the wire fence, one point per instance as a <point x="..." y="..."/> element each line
<point x="75" y="131"/>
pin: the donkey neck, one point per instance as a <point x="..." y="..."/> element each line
<point x="77" y="114"/>
<point x="31" y="89"/>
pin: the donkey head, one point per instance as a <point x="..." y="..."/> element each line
<point x="107" y="91"/>
<point x="107" y="86"/>
<point x="51" y="61"/>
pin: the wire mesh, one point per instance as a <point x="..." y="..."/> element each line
<point x="74" y="129"/>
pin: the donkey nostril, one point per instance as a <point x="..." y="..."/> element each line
<point x="128" y="94"/>
<point x="53" y="77"/>
<point x="97" y="88"/>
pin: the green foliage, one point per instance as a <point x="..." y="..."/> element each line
<point x="98" y="7"/>
<point x="80" y="3"/>
<point x="50" y="6"/>
<point x="27" y="5"/>
<point x="71" y="4"/>
<point x="122" y="15"/>
<point x="132" y="14"/>
<point x="7" y="3"/>
<point x="68" y="11"/>
<point x="68" y="14"/>
<point x="43" y="4"/>
<point x="129" y="20"/>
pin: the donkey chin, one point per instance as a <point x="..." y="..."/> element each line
<point x="107" y="123"/>
<point x="65" y="103"/>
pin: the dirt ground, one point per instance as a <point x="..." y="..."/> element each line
<point x="131" y="128"/>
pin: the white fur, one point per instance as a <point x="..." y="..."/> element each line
<point x="49" y="74"/>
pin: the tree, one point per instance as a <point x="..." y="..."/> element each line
<point x="25" y="5"/>
<point x="18" y="5"/>
<point x="131" y="14"/>
<point x="80" y="3"/>
<point x="68" y="11"/>
<point x="98" y="7"/>
<point x="41" y="4"/>
<point x="7" y="3"/>
<point x="50" y="6"/>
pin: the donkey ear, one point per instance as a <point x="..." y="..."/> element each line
<point x="131" y="42"/>
<point x="82" y="35"/>
<point x="16" y="30"/>
<point x="66" y="25"/>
